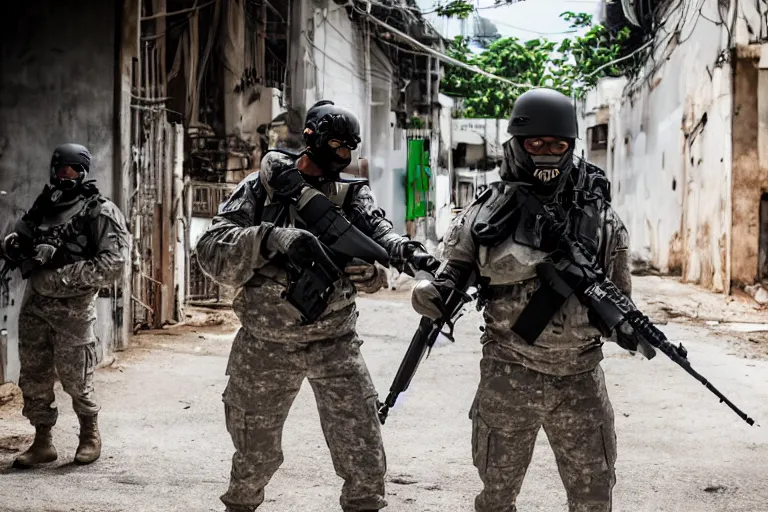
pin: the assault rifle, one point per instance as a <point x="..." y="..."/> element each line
<point x="569" y="270"/>
<point x="312" y="286"/>
<point x="617" y="313"/>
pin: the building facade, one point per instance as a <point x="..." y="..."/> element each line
<point x="684" y="143"/>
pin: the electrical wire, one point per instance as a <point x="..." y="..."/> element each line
<point x="195" y="7"/>
<point x="345" y="66"/>
<point x="621" y="59"/>
<point x="438" y="55"/>
<point x="695" y="23"/>
<point x="168" y="30"/>
<point x="534" y="31"/>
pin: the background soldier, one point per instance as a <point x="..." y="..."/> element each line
<point x="70" y="244"/>
<point x="250" y="245"/>
<point x="557" y="382"/>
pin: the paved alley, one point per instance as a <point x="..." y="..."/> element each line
<point x="166" y="447"/>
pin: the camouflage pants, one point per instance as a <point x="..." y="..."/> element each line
<point x="512" y="403"/>
<point x="264" y="381"/>
<point x="44" y="352"/>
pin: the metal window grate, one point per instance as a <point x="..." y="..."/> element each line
<point x="206" y="198"/>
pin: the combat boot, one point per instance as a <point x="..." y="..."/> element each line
<point x="89" y="448"/>
<point x="42" y="450"/>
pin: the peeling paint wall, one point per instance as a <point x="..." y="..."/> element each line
<point x="670" y="155"/>
<point x="748" y="179"/>
<point x="57" y="84"/>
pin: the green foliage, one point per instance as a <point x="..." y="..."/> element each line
<point x="572" y="67"/>
<point x="416" y="123"/>
<point x="455" y="9"/>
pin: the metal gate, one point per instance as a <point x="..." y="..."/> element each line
<point x="205" y="200"/>
<point x="154" y="152"/>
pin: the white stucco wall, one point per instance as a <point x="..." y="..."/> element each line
<point x="474" y="131"/>
<point x="337" y="68"/>
<point x="673" y="190"/>
<point x="197" y="228"/>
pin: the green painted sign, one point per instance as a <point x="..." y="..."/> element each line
<point x="417" y="180"/>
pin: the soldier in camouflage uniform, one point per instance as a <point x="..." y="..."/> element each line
<point x="557" y="382"/>
<point x="248" y="247"/>
<point x="69" y="245"/>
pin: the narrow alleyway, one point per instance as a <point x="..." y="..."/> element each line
<point x="167" y="449"/>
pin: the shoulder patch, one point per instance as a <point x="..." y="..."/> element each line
<point x="453" y="233"/>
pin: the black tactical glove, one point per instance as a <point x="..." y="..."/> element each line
<point x="301" y="247"/>
<point x="411" y="256"/>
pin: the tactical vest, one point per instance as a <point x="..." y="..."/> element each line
<point x="286" y="185"/>
<point x="515" y="231"/>
<point x="66" y="228"/>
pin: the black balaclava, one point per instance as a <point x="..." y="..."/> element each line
<point x="79" y="158"/>
<point x="325" y="123"/>
<point x="540" y="113"/>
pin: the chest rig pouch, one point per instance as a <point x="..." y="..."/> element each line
<point x="576" y="218"/>
<point x="310" y="289"/>
<point x="66" y="229"/>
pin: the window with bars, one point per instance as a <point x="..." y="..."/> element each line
<point x="206" y="198"/>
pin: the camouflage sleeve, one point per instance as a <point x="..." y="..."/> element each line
<point x="112" y="238"/>
<point x="618" y="267"/>
<point x="283" y="182"/>
<point x="366" y="215"/>
<point x="458" y="243"/>
<point x="230" y="250"/>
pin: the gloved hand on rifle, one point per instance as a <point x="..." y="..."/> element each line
<point x="301" y="247"/>
<point x="438" y="299"/>
<point x="412" y="257"/>
<point x="367" y="278"/>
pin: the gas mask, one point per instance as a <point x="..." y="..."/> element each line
<point x="70" y="164"/>
<point x="331" y="133"/>
<point x="545" y="162"/>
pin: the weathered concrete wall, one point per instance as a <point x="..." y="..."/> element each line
<point x="748" y="180"/>
<point x="670" y="154"/>
<point x="57" y="84"/>
<point x="336" y="62"/>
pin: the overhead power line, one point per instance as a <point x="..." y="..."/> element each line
<point x="440" y="56"/>
<point x="174" y="13"/>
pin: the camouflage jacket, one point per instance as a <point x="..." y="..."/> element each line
<point x="232" y="252"/>
<point x="65" y="296"/>
<point x="570" y="344"/>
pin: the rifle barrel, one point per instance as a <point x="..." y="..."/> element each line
<point x="658" y="340"/>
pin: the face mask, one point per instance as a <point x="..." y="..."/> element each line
<point x="546" y="171"/>
<point x="329" y="160"/>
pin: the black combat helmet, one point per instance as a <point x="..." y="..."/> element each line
<point x="544" y="130"/>
<point x="75" y="156"/>
<point x="328" y="130"/>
